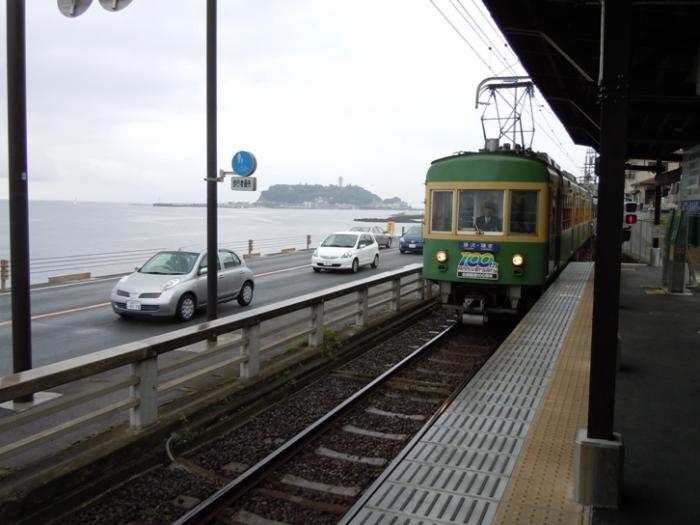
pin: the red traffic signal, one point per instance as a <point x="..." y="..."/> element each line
<point x="630" y="219"/>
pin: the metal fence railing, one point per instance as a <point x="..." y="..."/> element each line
<point x="135" y="379"/>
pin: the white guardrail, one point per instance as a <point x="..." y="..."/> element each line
<point x="137" y="377"/>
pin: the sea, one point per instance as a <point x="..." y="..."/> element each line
<point x="108" y="238"/>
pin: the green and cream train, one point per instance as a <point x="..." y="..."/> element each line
<point x="498" y="228"/>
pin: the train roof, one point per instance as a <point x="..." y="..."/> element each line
<point x="519" y="153"/>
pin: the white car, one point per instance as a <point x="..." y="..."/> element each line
<point x="346" y="251"/>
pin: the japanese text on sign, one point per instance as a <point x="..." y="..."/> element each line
<point x="243" y="184"/>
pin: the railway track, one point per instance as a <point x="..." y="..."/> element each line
<point x="307" y="458"/>
<point x="316" y="476"/>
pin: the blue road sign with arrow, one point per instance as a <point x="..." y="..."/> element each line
<point x="244" y="163"/>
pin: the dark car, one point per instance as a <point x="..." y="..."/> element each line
<point x="412" y="240"/>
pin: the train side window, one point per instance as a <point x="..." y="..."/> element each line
<point x="523" y="212"/>
<point x="441" y="211"/>
<point x="482" y="211"/>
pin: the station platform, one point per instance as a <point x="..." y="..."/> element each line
<point x="503" y="451"/>
<point x="657" y="402"/>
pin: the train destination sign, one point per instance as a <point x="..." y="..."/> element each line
<point x="244" y="183"/>
<point x="244" y="163"/>
<point x="476" y="246"/>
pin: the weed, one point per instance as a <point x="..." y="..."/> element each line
<point x="332" y="340"/>
<point x="301" y="343"/>
<point x="186" y="429"/>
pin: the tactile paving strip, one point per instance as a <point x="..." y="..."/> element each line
<point x="459" y="469"/>
<point x="540" y="487"/>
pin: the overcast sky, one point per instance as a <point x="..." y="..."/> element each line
<point x="368" y="90"/>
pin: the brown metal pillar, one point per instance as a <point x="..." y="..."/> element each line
<point x="614" y="80"/>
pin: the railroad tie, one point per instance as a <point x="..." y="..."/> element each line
<point x="373" y="433"/>
<point x="336" y="490"/>
<point x="439" y="373"/>
<point x="383" y="413"/>
<point x="236" y="467"/>
<point x="248" y="518"/>
<point x="416" y="399"/>
<point x="319" y="506"/>
<point x="352" y="458"/>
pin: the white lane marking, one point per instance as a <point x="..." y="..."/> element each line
<point x="62" y="312"/>
<point x="100" y="305"/>
<point x="283" y="270"/>
<point x="112" y="278"/>
<point x="117" y="277"/>
<point x="70" y="285"/>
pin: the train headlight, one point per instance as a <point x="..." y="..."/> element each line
<point x="441" y="256"/>
<point x="518" y="259"/>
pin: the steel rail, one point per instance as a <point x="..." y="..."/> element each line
<point x="224" y="497"/>
<point x="369" y="491"/>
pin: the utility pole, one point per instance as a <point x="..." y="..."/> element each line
<point x="212" y="252"/>
<point x="19" y="197"/>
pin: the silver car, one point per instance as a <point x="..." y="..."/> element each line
<point x="383" y="238"/>
<point x="174" y="283"/>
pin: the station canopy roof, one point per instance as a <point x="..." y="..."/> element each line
<point x="558" y="43"/>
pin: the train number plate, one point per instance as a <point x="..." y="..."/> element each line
<point x="477" y="265"/>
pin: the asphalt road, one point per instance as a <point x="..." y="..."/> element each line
<point x="75" y="319"/>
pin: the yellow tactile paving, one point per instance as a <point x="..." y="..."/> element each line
<point x="541" y="487"/>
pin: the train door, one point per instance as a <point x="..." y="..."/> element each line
<point x="555" y="215"/>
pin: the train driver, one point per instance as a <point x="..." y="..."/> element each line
<point x="489" y="221"/>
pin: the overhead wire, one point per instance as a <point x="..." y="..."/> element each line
<point x="462" y="36"/>
<point x="478" y="28"/>
<point x="539" y="104"/>
<point x="488" y="42"/>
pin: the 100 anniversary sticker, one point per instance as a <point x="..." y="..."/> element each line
<point x="475" y="265"/>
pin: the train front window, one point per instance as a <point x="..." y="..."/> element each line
<point x="523" y="212"/>
<point x="441" y="214"/>
<point x="481" y="211"/>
